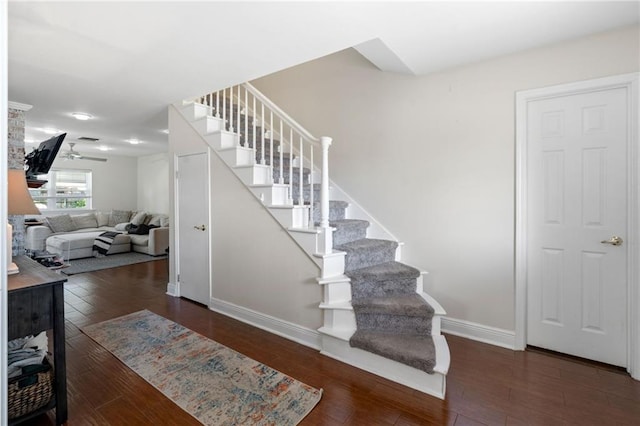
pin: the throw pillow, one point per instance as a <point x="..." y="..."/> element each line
<point x="164" y="221"/>
<point x="138" y="218"/>
<point x="122" y="226"/>
<point x="103" y="218"/>
<point x="156" y="219"/>
<point x="85" y="221"/>
<point x="61" y="223"/>
<point x="141" y="229"/>
<point x="118" y="216"/>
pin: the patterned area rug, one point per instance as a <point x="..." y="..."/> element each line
<point x="213" y="383"/>
<point x="88" y="264"/>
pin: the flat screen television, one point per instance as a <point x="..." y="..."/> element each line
<point x="39" y="160"/>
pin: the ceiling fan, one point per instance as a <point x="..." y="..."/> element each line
<point x="75" y="155"/>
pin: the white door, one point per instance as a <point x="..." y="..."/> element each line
<point x="577" y="211"/>
<point x="193" y="227"/>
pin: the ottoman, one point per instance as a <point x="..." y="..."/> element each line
<point x="78" y="245"/>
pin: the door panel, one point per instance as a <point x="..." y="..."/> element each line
<point x="193" y="216"/>
<point x="577" y="189"/>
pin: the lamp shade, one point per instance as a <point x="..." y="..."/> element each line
<point x="19" y="200"/>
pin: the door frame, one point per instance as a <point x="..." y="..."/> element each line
<point x="630" y="82"/>
<point x="176" y="213"/>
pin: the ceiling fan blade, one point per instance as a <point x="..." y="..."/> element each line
<point x="82" y="157"/>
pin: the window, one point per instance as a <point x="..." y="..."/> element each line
<point x="65" y="189"/>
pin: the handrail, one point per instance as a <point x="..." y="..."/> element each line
<point x="237" y="109"/>
<point x="283" y="115"/>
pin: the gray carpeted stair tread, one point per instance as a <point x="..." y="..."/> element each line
<point x="405" y="304"/>
<point x="417" y="351"/>
<point x="349" y="224"/>
<point x="347" y="230"/>
<point x="384" y="271"/>
<point x="367" y="252"/>
<point x="367" y="244"/>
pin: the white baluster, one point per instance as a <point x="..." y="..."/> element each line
<point x="231" y="109"/>
<point x="312" y="221"/>
<point x="271" y="143"/>
<point x="246" y="117"/>
<point x="224" y="108"/>
<point x="291" y="163"/>
<point x="255" y="113"/>
<point x="326" y="242"/>
<point x="218" y="104"/>
<point x="300" y="161"/>
<point x="281" y="180"/>
<point x="262" y="137"/>
<point x="238" y="124"/>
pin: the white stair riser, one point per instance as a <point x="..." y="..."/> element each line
<point x="221" y="140"/>
<point x="237" y="156"/>
<point x="272" y="196"/>
<point x="291" y="218"/>
<point x="307" y="241"/>
<point x="194" y="111"/>
<point x="332" y="266"/>
<point x="399" y="253"/>
<point x="432" y="384"/>
<point x="337" y="292"/>
<point x="208" y="124"/>
<point x="256" y="175"/>
<point x="339" y="319"/>
<point x="420" y="283"/>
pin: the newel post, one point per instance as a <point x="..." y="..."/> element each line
<point x="326" y="240"/>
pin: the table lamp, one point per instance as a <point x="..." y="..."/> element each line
<point x="19" y="202"/>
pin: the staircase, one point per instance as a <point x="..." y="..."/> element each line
<point x="376" y="315"/>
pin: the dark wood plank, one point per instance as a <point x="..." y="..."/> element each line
<point x="487" y="384"/>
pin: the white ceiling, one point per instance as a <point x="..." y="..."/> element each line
<point x="124" y="62"/>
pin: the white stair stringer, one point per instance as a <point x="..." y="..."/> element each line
<point x="256" y="177"/>
<point x="339" y="326"/>
<point x="339" y="318"/>
<point x="335" y="344"/>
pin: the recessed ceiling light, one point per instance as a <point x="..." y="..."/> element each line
<point x="50" y="130"/>
<point x="134" y="141"/>
<point x="81" y="116"/>
<point x="165" y="131"/>
<point x="104" y="148"/>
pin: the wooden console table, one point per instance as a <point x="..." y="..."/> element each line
<point x="36" y="304"/>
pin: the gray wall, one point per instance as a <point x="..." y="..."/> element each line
<point x="432" y="157"/>
<point x="115" y="182"/>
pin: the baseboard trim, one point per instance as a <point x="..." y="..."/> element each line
<point x="479" y="332"/>
<point x="304" y="336"/>
<point x="172" y="289"/>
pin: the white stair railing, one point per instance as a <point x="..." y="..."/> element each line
<point x="269" y="124"/>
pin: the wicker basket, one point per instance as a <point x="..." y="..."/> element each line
<point x="29" y="392"/>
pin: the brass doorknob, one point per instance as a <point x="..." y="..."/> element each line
<point x="200" y="228"/>
<point x="614" y="241"/>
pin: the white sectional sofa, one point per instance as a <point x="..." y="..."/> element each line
<point x="72" y="236"/>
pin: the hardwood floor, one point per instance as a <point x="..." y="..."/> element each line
<point x="486" y="385"/>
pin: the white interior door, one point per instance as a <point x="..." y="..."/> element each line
<point x="577" y="197"/>
<point x="193" y="227"/>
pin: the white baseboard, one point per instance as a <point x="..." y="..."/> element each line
<point x="172" y="290"/>
<point x="304" y="336"/>
<point x="479" y="332"/>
